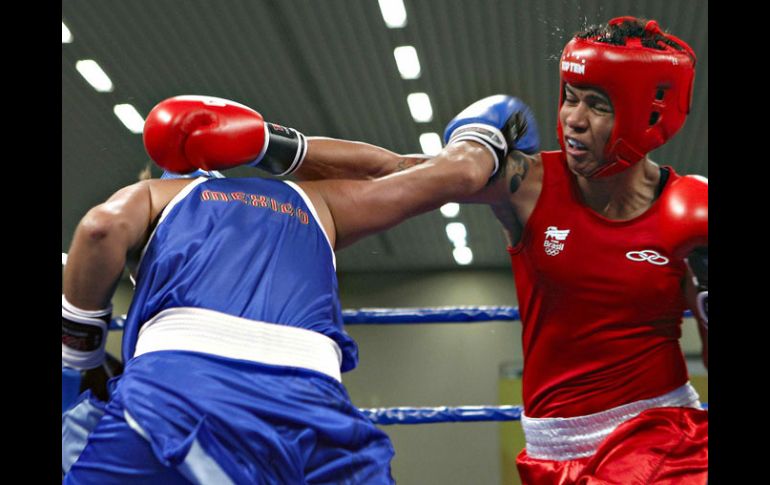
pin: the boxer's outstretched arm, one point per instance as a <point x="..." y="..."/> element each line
<point x="185" y="133"/>
<point x="352" y="209"/>
<point x="482" y="122"/>
<point x="329" y="158"/>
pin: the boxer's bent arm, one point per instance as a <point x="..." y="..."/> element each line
<point x="358" y="208"/>
<point x="107" y="234"/>
<point x="329" y="158"/>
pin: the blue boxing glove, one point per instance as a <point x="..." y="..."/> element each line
<point x="501" y="123"/>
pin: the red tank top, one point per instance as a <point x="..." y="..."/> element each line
<point x="600" y="301"/>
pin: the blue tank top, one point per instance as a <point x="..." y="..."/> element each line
<point x="248" y="247"/>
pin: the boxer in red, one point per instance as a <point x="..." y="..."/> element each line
<point x="600" y="244"/>
<point x="608" y="249"/>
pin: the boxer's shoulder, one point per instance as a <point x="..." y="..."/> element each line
<point x="513" y="194"/>
<point x="162" y="192"/>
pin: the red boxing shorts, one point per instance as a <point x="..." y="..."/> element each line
<point x="666" y="445"/>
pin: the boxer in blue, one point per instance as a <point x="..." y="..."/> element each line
<point x="234" y="344"/>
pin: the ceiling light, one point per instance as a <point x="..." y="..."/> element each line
<point x="95" y="76"/>
<point x="463" y="255"/>
<point x="393" y="13"/>
<point x="430" y="143"/>
<point x="130" y="117"/>
<point x="419" y="105"/>
<point x="450" y="210"/>
<point x="66" y="35"/>
<point x="407" y="61"/>
<point x="456" y="233"/>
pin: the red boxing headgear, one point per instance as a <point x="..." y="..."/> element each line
<point x="650" y="90"/>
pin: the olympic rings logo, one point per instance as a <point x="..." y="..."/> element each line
<point x="648" y="255"/>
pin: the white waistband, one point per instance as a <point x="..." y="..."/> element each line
<point x="212" y="332"/>
<point x="563" y="439"/>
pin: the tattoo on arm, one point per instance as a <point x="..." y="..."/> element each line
<point x="409" y="162"/>
<point x="518" y="165"/>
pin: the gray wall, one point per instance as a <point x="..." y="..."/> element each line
<point x="433" y="365"/>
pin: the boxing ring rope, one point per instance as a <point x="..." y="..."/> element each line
<point x="442" y="414"/>
<point x="458" y="314"/>
<point x="400" y="316"/>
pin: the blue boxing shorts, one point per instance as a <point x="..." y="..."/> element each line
<point x="180" y="416"/>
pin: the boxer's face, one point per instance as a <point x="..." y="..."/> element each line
<point x="586" y="119"/>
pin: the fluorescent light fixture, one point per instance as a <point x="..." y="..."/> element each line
<point x="66" y="35"/>
<point x="456" y="233"/>
<point x="407" y="61"/>
<point x="419" y="105"/>
<point x="92" y="73"/>
<point x="430" y="143"/>
<point x="450" y="210"/>
<point x="63" y="259"/>
<point x="463" y="255"/>
<point x="130" y="117"/>
<point x="393" y="13"/>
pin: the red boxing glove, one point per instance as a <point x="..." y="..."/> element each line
<point x="186" y="133"/>
<point x="685" y="215"/>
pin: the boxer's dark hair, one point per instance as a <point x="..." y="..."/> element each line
<point x="618" y="34"/>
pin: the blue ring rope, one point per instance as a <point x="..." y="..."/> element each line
<point x="379" y="316"/>
<point x="445" y="414"/>
<point x="442" y="414"/>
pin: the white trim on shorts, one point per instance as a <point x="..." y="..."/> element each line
<point x="77" y="423"/>
<point x="216" y="333"/>
<point x="201" y="468"/>
<point x="198" y="466"/>
<point x="562" y="439"/>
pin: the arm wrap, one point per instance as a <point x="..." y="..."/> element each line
<point x="83" y="335"/>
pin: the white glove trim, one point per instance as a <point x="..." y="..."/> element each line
<point x="491" y="137"/>
<point x="300" y="157"/>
